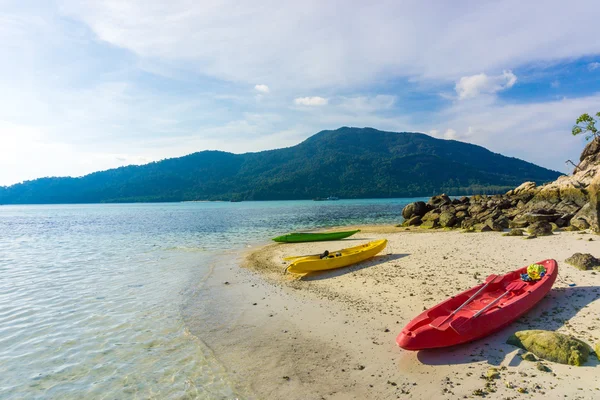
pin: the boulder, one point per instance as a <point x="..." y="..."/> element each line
<point x="414" y="221"/>
<point x="468" y="223"/>
<point x="589" y="156"/>
<point x="430" y="224"/>
<point x="447" y="208"/>
<point x="540" y="228"/>
<point x="447" y="219"/>
<point x="476" y="209"/>
<point x="561" y="222"/>
<point x="518" y="223"/>
<point x="461" y="215"/>
<point x="535" y="217"/>
<point x="418" y="208"/>
<point x="583" y="261"/>
<point x="597" y="349"/>
<point x="431" y="216"/>
<point x="579" y="223"/>
<point x="494" y="225"/>
<point x="482" y="228"/>
<point x="522" y="188"/>
<point x="514" y="232"/>
<point x="528" y="356"/>
<point x="552" y="346"/>
<point x="440" y="200"/>
<point x="464" y="200"/>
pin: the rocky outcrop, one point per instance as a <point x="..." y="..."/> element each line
<point x="589" y="156"/>
<point x="570" y="202"/>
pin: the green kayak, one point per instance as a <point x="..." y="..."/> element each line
<point x="313" y="237"/>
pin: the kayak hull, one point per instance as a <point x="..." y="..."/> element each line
<point x="313" y="237"/>
<point x="427" y="332"/>
<point x="349" y="256"/>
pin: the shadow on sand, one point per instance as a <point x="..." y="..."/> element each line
<point x="315" y="276"/>
<point x="560" y="305"/>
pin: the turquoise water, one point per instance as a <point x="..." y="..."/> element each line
<point x="91" y="296"/>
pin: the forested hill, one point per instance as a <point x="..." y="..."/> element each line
<point x="347" y="163"/>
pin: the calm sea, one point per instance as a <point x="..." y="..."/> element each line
<point x="91" y="296"/>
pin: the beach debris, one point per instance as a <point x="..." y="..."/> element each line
<point x="552" y="346"/>
<point x="514" y="232"/>
<point x="226" y="283"/>
<point x="528" y="356"/>
<point x="530" y="236"/>
<point x="584" y="261"/>
<point x="287" y="378"/>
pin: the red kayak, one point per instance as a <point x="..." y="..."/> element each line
<point x="479" y="311"/>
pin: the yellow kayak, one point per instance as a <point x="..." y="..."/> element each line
<point x="336" y="259"/>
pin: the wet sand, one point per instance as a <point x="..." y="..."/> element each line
<point x="332" y="335"/>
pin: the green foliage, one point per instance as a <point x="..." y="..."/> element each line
<point x="347" y="162"/>
<point x="588" y="125"/>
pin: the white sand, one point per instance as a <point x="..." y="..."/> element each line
<point x="332" y="335"/>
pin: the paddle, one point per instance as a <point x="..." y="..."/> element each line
<point x="462" y="325"/>
<point x="438" y="322"/>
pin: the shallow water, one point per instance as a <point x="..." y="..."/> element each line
<point x="91" y="296"/>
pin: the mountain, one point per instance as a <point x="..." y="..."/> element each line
<point x="347" y="162"/>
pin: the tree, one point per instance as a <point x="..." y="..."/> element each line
<point x="588" y="126"/>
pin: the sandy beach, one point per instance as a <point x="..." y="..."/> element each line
<point x="332" y="335"/>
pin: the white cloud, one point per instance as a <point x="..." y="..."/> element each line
<point x="555" y="84"/>
<point x="336" y="43"/>
<point x="311" y="101"/>
<point x="593" y="66"/>
<point x="473" y="86"/>
<point x="262" y="88"/>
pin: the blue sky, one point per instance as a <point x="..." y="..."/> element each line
<point x="91" y="85"/>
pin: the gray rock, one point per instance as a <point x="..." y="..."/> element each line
<point x="441" y="200"/>
<point x="447" y="219"/>
<point x="579" y="223"/>
<point x="430" y="224"/>
<point x="418" y="208"/>
<point x="583" y="261"/>
<point x="535" y="217"/>
<point x="514" y="232"/>
<point x="518" y="223"/>
<point x="414" y="221"/>
<point x="540" y="228"/>
<point x="431" y="216"/>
